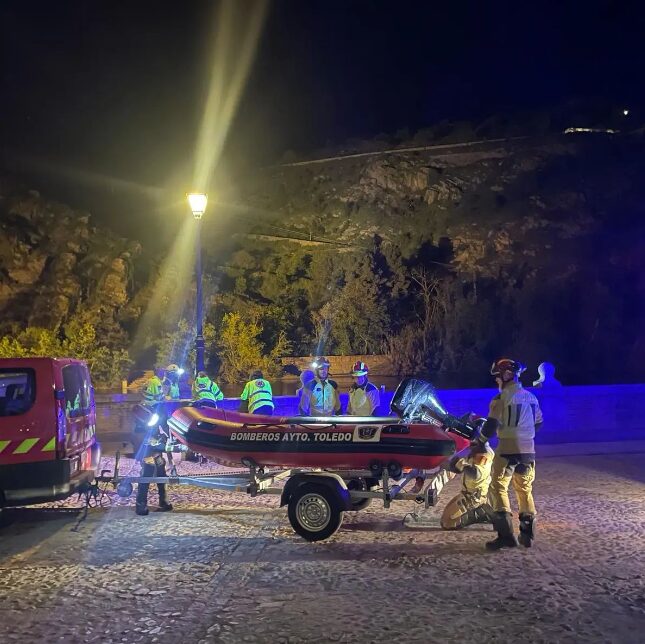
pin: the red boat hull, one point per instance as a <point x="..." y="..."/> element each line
<point x="233" y="439"/>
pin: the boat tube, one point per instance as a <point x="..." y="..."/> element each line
<point x="422" y="435"/>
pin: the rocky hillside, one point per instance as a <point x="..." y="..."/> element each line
<point x="543" y="236"/>
<point x="444" y="257"/>
<point x="54" y="263"/>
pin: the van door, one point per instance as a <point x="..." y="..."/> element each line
<point x="79" y="409"/>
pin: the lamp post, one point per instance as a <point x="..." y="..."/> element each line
<point x="197" y="202"/>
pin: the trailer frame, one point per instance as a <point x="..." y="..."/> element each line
<point x="327" y="494"/>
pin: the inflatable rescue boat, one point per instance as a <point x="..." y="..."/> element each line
<point x="421" y="436"/>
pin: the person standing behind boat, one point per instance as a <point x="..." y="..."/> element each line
<point x="257" y="397"/>
<point x="153" y="391"/>
<point x="320" y="396"/>
<point x="170" y="383"/>
<point x="206" y="390"/>
<point x="364" y="397"/>
<point x="305" y="376"/>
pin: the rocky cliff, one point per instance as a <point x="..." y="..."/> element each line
<point x="448" y="254"/>
<point x="542" y="238"/>
<point x="54" y="262"/>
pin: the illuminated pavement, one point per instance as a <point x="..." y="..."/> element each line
<point x="226" y="568"/>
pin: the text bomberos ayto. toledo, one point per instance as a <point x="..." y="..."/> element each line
<point x="324" y="437"/>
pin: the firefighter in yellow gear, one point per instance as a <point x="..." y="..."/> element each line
<point x="257" y="397"/>
<point x="153" y="392"/>
<point x="364" y="397"/>
<point x="206" y="390"/>
<point x="471" y="504"/>
<point x="514" y="416"/>
<point x="320" y="396"/>
<point x="170" y="383"/>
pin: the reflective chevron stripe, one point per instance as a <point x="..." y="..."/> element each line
<point x="3" y="444"/>
<point x="25" y="446"/>
<point x="51" y="446"/>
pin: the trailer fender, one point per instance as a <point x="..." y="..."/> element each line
<point x="332" y="481"/>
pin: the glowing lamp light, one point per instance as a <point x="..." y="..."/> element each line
<point x="154" y="419"/>
<point x="625" y="112"/>
<point x="180" y="371"/>
<point x="197" y="202"/>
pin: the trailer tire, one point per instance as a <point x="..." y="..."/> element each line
<point x="395" y="470"/>
<point x="315" y="511"/>
<point x="363" y="485"/>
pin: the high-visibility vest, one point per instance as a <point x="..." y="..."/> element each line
<point x="153" y="393"/>
<point x="205" y="389"/>
<point x="319" y="398"/>
<point x="258" y="393"/>
<point x="363" y="400"/>
<point x="171" y="389"/>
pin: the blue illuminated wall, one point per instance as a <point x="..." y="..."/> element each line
<point x="571" y="414"/>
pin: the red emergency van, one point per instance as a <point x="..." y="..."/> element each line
<point x="48" y="445"/>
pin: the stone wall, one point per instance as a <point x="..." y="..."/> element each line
<point x="571" y="414"/>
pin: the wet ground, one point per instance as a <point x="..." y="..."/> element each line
<point x="227" y="568"/>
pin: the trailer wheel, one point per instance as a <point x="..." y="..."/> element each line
<point x="395" y="470"/>
<point x="363" y="485"/>
<point x="376" y="468"/>
<point x="314" y="512"/>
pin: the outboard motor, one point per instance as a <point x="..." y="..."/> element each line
<point x="417" y="401"/>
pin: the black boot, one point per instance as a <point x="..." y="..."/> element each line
<point x="503" y="523"/>
<point x="142" y="509"/>
<point x="527" y="529"/>
<point x="164" y="506"/>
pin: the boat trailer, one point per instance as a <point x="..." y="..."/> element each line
<point x="315" y="498"/>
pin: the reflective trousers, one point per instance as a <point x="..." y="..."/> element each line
<point x="507" y="470"/>
<point x="464" y="510"/>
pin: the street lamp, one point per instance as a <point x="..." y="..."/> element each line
<point x="197" y="202"/>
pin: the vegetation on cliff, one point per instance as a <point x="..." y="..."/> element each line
<point x="443" y="258"/>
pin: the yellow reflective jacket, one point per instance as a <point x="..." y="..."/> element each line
<point x="257" y="393"/>
<point x="206" y="389"/>
<point x="319" y="398"/>
<point x="153" y="392"/>
<point x="363" y="400"/>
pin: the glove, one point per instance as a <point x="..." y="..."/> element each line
<point x="455" y="464"/>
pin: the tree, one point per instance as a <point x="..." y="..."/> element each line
<point x="178" y="346"/>
<point x="357" y="320"/>
<point x="79" y="340"/>
<point x="241" y="351"/>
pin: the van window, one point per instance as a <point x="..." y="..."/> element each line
<point x="17" y="391"/>
<point x="77" y="390"/>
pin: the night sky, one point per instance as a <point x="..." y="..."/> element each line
<point x="118" y="87"/>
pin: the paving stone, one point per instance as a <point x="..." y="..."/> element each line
<point x="227" y="568"/>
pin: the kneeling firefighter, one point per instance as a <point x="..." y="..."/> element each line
<point x="514" y="416"/>
<point x="153" y="464"/>
<point x="471" y="504"/>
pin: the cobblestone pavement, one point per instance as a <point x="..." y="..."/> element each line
<point x="227" y="568"/>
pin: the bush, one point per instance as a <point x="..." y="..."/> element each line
<point x="79" y="340"/>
